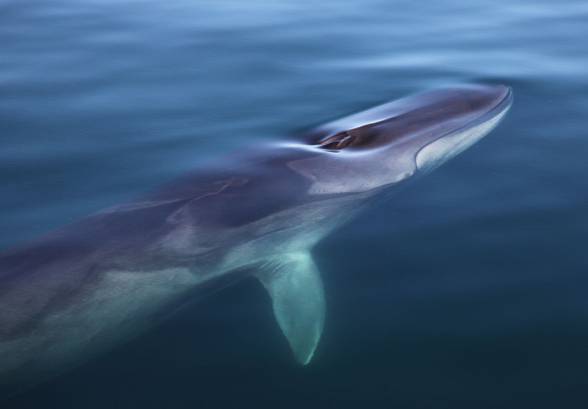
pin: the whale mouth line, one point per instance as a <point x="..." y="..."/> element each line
<point x="356" y="137"/>
<point x="451" y="143"/>
<point x="501" y="106"/>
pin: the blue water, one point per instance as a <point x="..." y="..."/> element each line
<point x="467" y="290"/>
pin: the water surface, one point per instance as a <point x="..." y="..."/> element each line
<point x="467" y="290"/>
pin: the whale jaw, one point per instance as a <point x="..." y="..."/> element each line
<point x="443" y="149"/>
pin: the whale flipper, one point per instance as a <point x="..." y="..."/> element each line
<point x="295" y="287"/>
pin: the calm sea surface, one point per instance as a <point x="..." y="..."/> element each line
<point x="467" y="290"/>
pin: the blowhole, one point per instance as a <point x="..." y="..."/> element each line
<point x="346" y="139"/>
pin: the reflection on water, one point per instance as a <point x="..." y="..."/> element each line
<point x="467" y="289"/>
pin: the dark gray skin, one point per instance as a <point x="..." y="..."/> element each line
<point x="80" y="289"/>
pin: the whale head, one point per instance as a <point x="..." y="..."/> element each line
<point x="394" y="142"/>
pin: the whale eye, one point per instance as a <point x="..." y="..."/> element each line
<point x="352" y="138"/>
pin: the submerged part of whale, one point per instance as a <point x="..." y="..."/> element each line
<point x="109" y="276"/>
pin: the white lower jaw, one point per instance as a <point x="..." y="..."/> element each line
<point x="445" y="148"/>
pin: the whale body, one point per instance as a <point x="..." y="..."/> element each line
<point x="83" y="288"/>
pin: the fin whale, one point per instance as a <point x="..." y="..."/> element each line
<point x="83" y="288"/>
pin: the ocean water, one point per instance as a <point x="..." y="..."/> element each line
<point x="466" y="290"/>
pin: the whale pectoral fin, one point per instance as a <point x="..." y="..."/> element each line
<point x="295" y="287"/>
